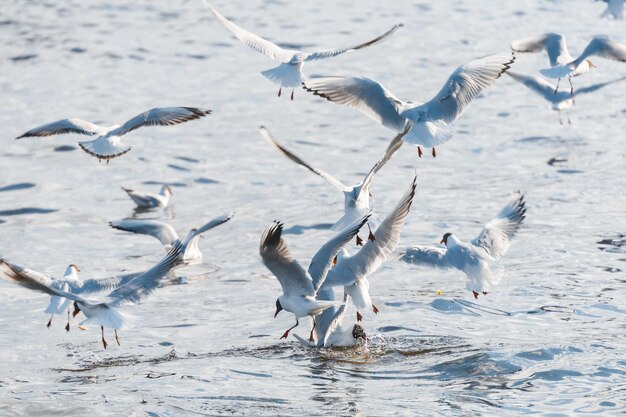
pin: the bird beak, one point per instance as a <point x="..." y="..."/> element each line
<point x="441" y="241"/>
<point x="335" y="260"/>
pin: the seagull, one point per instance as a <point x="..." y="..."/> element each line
<point x="99" y="311"/>
<point x="357" y="197"/>
<point x="300" y="287"/>
<point x="614" y="8"/>
<point x="560" y="101"/>
<point x="108" y="144"/>
<point x="351" y="272"/>
<point x="429" y="122"/>
<point x="167" y="235"/>
<point x="289" y="73"/>
<point x="473" y="258"/>
<point x="151" y="200"/>
<point x="330" y="330"/>
<point x="562" y="64"/>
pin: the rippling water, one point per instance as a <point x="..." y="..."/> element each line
<point x="548" y="341"/>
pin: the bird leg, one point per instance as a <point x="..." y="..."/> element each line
<point x="374" y="309"/>
<point x="557" y="86"/>
<point x="50" y="321"/>
<point x="311" y="335"/>
<point x="286" y="334"/>
<point x="292" y="94"/>
<point x="104" y="342"/>
<point x="371" y="235"/>
<point x="280" y="91"/>
<point x="475" y="294"/>
<point x="571" y="86"/>
<point x="359" y="241"/>
<point x="359" y="317"/>
<point x="419" y="151"/>
<point x="434" y="153"/>
<point x="569" y="120"/>
<point x="67" y="326"/>
<point x="560" y="118"/>
<point x="117" y="338"/>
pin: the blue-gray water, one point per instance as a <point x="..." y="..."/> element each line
<point x="549" y="340"/>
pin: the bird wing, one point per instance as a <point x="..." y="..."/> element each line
<point x="142" y="285"/>
<point x="214" y="223"/>
<point x="323" y="259"/>
<point x="277" y="258"/>
<point x="366" y="95"/>
<point x="264" y="46"/>
<point x="272" y="141"/>
<point x="465" y="83"/>
<point x="426" y="256"/>
<point x="161" y="116"/>
<point x="496" y="236"/>
<point x="328" y="53"/>
<point x="162" y="231"/>
<point x="594" y="87"/>
<point x="28" y="278"/>
<point x="336" y="321"/>
<point x="604" y="48"/>
<point x="386" y="238"/>
<point x="145" y="198"/>
<point x="94" y="285"/>
<point x="537" y="84"/>
<point x="553" y="43"/>
<point x="61" y="127"/>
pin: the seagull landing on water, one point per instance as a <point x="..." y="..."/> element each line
<point x="562" y="64"/>
<point x="151" y="200"/>
<point x="167" y="234"/>
<point x="289" y="73"/>
<point x="357" y="197"/>
<point x="473" y="258"/>
<point x="108" y="144"/>
<point x="300" y="287"/>
<point x="560" y="101"/>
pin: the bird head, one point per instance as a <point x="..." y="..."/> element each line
<point x="358" y="332"/>
<point x="279" y="307"/>
<point x="167" y="190"/>
<point x="444" y="240"/>
<point x="591" y="64"/>
<point x="76" y="309"/>
<point x="75" y="267"/>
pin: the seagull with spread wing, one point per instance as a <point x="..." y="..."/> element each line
<point x="101" y="311"/>
<point x="289" y="73"/>
<point x="429" y="122"/>
<point x="167" y="235"/>
<point x="473" y="258"/>
<point x="560" y="101"/>
<point x="351" y="271"/>
<point x="108" y="144"/>
<point x="300" y="287"/>
<point x="562" y="64"/>
<point x="357" y="197"/>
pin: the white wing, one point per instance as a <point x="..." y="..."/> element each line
<point x="426" y="256"/>
<point x="61" y="127"/>
<point x="594" y="87"/>
<point x="334" y="52"/>
<point x="537" y="84"/>
<point x="162" y="231"/>
<point x="496" y="236"/>
<point x="161" y="116"/>
<point x="323" y="259"/>
<point x="27" y="278"/>
<point x="264" y="46"/>
<point x="366" y="95"/>
<point x="604" y="48"/>
<point x="214" y="223"/>
<point x="465" y="83"/>
<point x="276" y="257"/>
<point x="94" y="285"/>
<point x="272" y="141"/>
<point x="553" y="43"/>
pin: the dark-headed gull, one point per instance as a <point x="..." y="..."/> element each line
<point x="429" y="122"/>
<point x="289" y="73"/>
<point x="299" y="286"/>
<point x="145" y="200"/>
<point x="108" y="144"/>
<point x="562" y="64"/>
<point x="473" y="258"/>
<point x="357" y="197"/>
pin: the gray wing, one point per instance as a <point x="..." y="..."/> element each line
<point x="425" y="256"/>
<point x="162" y="231"/>
<point x="161" y="116"/>
<point x="465" y="83"/>
<point x="94" y="285"/>
<point x="276" y="257"/>
<point x="386" y="238"/>
<point x="366" y="95"/>
<point x="496" y="236"/>
<point x="264" y="46"/>
<point x="553" y="43"/>
<point x="328" y="53"/>
<point x="214" y="223"/>
<point x="142" y="285"/>
<point x="272" y="141"/>
<point x="145" y="198"/>
<point x="64" y="126"/>
<point x="605" y="48"/>
<point x="323" y="259"/>
<point x="537" y="84"/>
<point x="27" y="278"/>
<point x="594" y="87"/>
